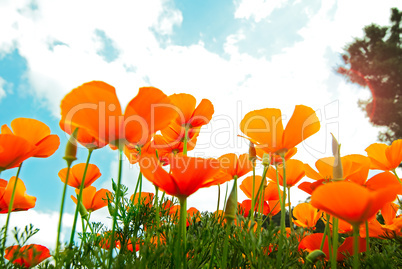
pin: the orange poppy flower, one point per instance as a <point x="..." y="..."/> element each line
<point x="77" y="173"/>
<point x="270" y="191"/>
<point x="13" y="151"/>
<point x="384" y="180"/>
<point x="192" y="212"/>
<point x="35" y="132"/>
<point x="146" y="198"/>
<point x="245" y="208"/>
<point x="384" y="157"/>
<point x="265" y="130"/>
<point x="350" y="201"/>
<point x="355" y="168"/>
<point x="22" y="201"/>
<point x="274" y="158"/>
<point x="95" y="108"/>
<point x="306" y="215"/>
<point x="232" y="166"/>
<point x="392" y="223"/>
<point x="163" y="145"/>
<point x="188" y="115"/>
<point x="294" y="173"/>
<point x="92" y="199"/>
<point x="83" y="137"/>
<point x="105" y="240"/>
<point x="173" y="137"/>
<point x="313" y="242"/>
<point x="27" y="256"/>
<point x="188" y="174"/>
<point x="343" y="226"/>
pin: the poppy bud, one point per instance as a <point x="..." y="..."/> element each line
<point x="83" y="211"/>
<point x="231" y="203"/>
<point x="315" y="255"/>
<point x="252" y="154"/>
<point x="266" y="160"/>
<point x="71" y="148"/>
<point x="337" y="172"/>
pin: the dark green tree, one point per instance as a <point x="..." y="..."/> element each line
<point x="375" y="61"/>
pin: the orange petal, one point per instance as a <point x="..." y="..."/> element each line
<point x="325" y="167"/>
<point x="264" y="127"/>
<point x="15" y="150"/>
<point x="228" y="164"/>
<point x="77" y="174"/>
<point x="388" y="212"/>
<point x="83" y="137"/>
<point x="306" y="215"/>
<point x="356" y="204"/>
<point x="394" y="153"/>
<point x="244" y="165"/>
<point x="384" y="180"/>
<point x="94" y="107"/>
<point x="202" y="114"/>
<point x="311" y="173"/>
<point x="356" y="168"/>
<point x="100" y="199"/>
<point x="150" y="111"/>
<point x="294" y="172"/>
<point x="191" y="173"/>
<point x="22" y="201"/>
<point x="27" y="256"/>
<point x="303" y="123"/>
<point x="185" y="104"/>
<point x="154" y="172"/>
<point x="247" y="185"/>
<point x="376" y="153"/>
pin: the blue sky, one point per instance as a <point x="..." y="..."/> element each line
<point x="242" y="55"/>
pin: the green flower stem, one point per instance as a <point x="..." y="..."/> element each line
<point x="63" y="198"/>
<point x="283" y="209"/>
<point x="136" y="187"/>
<point x="290" y="213"/>
<point x="185" y="140"/>
<point x="10" y="208"/>
<point x="226" y="195"/>
<point x="219" y="197"/>
<point x="156" y="204"/>
<point x="356" y="262"/>
<point x="252" y="196"/>
<point x="334" y="242"/>
<point x="396" y="176"/>
<point x="325" y="234"/>
<point x="259" y="191"/>
<point x="367" y="239"/>
<point x="329" y="239"/>
<point x="182" y="227"/>
<point x="116" y="207"/>
<point x="226" y="244"/>
<point x="79" y="198"/>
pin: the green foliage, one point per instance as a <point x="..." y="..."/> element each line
<point x="376" y="61"/>
<point x="249" y="246"/>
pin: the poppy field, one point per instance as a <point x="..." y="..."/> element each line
<point x="350" y="220"/>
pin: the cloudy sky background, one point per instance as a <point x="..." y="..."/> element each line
<point x="242" y="55"/>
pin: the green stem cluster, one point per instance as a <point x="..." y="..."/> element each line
<point x="10" y="208"/>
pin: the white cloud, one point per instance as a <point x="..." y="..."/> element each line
<point x="257" y="9"/>
<point x="46" y="222"/>
<point x="3" y="85"/>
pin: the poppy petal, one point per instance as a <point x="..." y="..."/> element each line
<point x="264" y="127"/>
<point x="303" y="123"/>
<point x="202" y="114"/>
